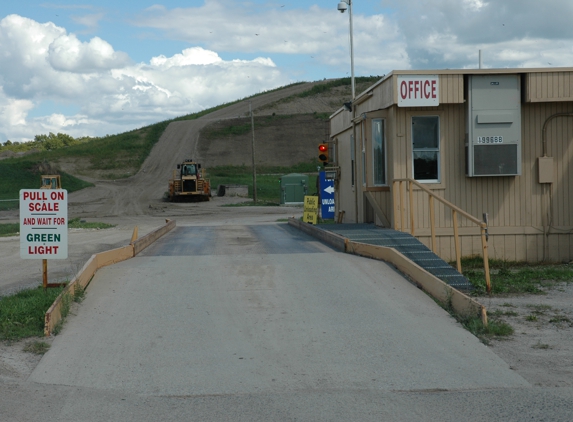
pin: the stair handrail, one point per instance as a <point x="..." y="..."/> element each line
<point x="455" y="211"/>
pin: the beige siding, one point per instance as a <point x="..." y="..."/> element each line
<point x="339" y="122"/>
<point x="514" y="204"/>
<point x="549" y="86"/>
<point x="451" y="89"/>
<point x="344" y="192"/>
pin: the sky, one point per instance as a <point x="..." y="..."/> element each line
<point x="93" y="68"/>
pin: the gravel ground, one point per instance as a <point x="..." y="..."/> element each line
<point x="541" y="348"/>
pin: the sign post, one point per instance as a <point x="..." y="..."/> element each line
<point x="44" y="226"/>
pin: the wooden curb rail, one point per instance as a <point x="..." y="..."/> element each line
<point x="82" y="279"/>
<point x="459" y="302"/>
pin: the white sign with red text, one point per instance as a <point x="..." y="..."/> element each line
<point x="43" y="224"/>
<point x="418" y="90"/>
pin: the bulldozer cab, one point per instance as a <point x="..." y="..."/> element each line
<point x="188" y="170"/>
<point x="51" y="182"/>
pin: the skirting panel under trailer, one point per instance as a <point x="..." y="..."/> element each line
<point x="439" y="290"/>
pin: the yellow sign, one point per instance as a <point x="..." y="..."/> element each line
<point x="310" y="214"/>
<point x="311" y="204"/>
<point x="309" y="217"/>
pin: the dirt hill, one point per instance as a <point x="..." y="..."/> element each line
<point x="287" y="130"/>
<point x="280" y="140"/>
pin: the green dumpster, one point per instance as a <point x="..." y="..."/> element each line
<point x="294" y="187"/>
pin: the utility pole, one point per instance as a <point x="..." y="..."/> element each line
<point x="253" y="148"/>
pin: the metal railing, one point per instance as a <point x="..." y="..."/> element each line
<point x="399" y="209"/>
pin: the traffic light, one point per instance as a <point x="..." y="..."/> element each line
<point x="323" y="153"/>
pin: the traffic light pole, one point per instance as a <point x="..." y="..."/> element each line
<point x="253" y="145"/>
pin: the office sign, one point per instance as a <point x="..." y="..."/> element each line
<point x="418" y="90"/>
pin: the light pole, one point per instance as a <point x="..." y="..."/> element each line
<point x="342" y="8"/>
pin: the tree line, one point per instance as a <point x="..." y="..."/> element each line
<point x="44" y="143"/>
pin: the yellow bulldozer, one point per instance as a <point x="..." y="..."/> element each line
<point x="189" y="183"/>
<point x="51" y="181"/>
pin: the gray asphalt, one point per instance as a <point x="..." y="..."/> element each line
<point x="264" y="323"/>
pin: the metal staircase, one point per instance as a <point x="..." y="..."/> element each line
<point x="407" y="245"/>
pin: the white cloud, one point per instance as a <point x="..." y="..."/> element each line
<point x="67" y="53"/>
<point x="224" y="25"/>
<point x="190" y="56"/>
<point x="89" y="20"/>
<point x="40" y="62"/>
<point x="449" y="33"/>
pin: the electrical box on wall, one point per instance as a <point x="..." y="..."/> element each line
<point x="493" y="141"/>
<point x="545" y="169"/>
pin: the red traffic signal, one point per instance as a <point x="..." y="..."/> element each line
<point x="323" y="153"/>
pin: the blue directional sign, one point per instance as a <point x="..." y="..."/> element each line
<point x="326" y="196"/>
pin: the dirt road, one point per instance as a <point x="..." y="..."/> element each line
<point x="142" y="193"/>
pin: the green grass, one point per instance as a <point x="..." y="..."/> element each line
<point x="36" y="347"/>
<point x="531" y="318"/>
<point x="22" y="314"/>
<point x="516" y="277"/>
<point x="120" y="154"/>
<point x="16" y="174"/>
<point x="496" y="329"/>
<point x="9" y="229"/>
<point x="498" y="313"/>
<point x="76" y="223"/>
<point x="268" y="179"/>
<point x="325" y="87"/>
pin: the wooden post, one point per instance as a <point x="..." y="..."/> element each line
<point x="45" y="273"/>
<point x="485" y="260"/>
<point x="457" y="241"/>
<point x="484" y="316"/>
<point x="411" y="208"/>
<point x="432" y="223"/>
<point x="394" y="184"/>
<point x="401" y="208"/>
<point x="135" y="233"/>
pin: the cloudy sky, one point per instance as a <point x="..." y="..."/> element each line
<point x="90" y="68"/>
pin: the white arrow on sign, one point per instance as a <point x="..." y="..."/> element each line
<point x="329" y="189"/>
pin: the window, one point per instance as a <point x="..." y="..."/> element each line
<point x="426" y="148"/>
<point x="378" y="152"/>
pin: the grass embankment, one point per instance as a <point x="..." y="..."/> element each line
<point x="25" y="174"/>
<point x="22" y="314"/>
<point x="362" y="83"/>
<point x="516" y="277"/>
<point x="268" y="179"/>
